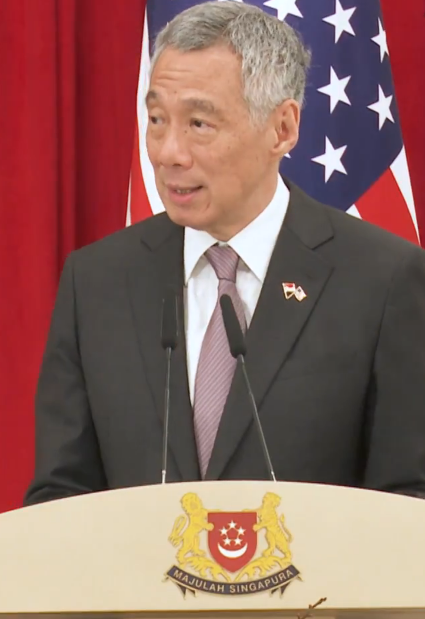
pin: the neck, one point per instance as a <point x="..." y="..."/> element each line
<point x="257" y="204"/>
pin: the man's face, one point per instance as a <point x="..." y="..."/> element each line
<point x="214" y="169"/>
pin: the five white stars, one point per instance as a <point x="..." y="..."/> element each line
<point x="383" y="108"/>
<point x="381" y="40"/>
<point x="331" y="160"/>
<point x="284" y="8"/>
<point x="341" y="20"/>
<point x="227" y="541"/>
<point x="336" y="90"/>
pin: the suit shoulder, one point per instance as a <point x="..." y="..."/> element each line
<point x="120" y="246"/>
<point x="367" y="241"/>
<point x="354" y="241"/>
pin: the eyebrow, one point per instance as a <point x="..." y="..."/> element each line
<point x="202" y="105"/>
<point x="192" y="103"/>
<point x="151" y="96"/>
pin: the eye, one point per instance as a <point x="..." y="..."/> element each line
<point x="154" y="120"/>
<point x="199" y="124"/>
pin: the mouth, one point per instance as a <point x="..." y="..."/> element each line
<point x="183" y="195"/>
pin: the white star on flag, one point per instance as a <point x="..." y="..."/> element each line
<point x="381" y="40"/>
<point x="341" y="20"/>
<point x="336" y="90"/>
<point x="382" y="108"/>
<point x="331" y="160"/>
<point x="284" y="8"/>
<point x="232" y="525"/>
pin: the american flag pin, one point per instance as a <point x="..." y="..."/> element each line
<point x="292" y="290"/>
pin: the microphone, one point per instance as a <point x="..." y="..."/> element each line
<point x="237" y="347"/>
<point x="169" y="338"/>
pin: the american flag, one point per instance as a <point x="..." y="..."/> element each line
<point x="350" y="154"/>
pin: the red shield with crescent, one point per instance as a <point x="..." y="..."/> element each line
<point x="232" y="542"/>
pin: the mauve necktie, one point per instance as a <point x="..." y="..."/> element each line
<point x="216" y="365"/>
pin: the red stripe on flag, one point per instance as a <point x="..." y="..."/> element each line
<point x="384" y="205"/>
<point x="139" y="202"/>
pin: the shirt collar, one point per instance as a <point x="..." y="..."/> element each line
<point x="254" y="244"/>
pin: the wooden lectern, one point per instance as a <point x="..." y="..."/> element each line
<point x="216" y="549"/>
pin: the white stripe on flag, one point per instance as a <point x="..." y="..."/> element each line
<point x="354" y="212"/>
<point x="142" y="119"/>
<point x="128" y="214"/>
<point x="400" y="169"/>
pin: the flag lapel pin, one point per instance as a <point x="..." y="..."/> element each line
<point x="292" y="290"/>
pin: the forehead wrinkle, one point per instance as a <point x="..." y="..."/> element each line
<point x="191" y="103"/>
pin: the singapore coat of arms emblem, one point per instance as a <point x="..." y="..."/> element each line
<point x="219" y="552"/>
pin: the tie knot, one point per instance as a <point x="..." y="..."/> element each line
<point x="224" y="260"/>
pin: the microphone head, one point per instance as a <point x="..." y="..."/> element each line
<point x="234" y="332"/>
<point x="169" y="325"/>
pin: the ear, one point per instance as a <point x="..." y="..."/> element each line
<point x="286" y="125"/>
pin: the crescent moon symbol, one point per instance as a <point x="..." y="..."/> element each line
<point x="233" y="554"/>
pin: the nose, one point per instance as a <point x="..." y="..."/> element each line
<point x="173" y="148"/>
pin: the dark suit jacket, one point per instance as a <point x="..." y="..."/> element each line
<point x="339" y="378"/>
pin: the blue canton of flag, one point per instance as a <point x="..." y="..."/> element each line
<point x="350" y="154"/>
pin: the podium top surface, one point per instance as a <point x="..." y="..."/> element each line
<point x="216" y="547"/>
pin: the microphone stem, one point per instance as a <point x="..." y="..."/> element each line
<point x="166" y="415"/>
<point x="258" y="422"/>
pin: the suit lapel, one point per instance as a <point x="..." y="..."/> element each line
<point x="159" y="264"/>
<point x="277" y="322"/>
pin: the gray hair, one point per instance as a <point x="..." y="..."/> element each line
<point x="274" y="59"/>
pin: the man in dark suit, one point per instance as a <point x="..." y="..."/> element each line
<point x="334" y="308"/>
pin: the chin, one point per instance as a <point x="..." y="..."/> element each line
<point x="186" y="218"/>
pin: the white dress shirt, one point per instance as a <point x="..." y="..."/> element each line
<point x="254" y="245"/>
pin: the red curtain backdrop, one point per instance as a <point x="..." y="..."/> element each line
<point x="68" y="80"/>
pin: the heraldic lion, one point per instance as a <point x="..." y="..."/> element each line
<point x="278" y="538"/>
<point x="196" y="520"/>
<point x="187" y="537"/>
<point x="277" y="535"/>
